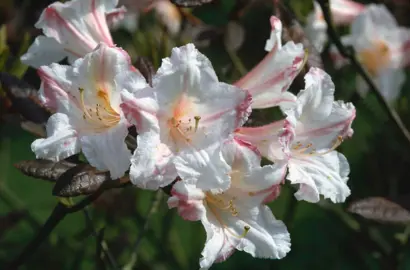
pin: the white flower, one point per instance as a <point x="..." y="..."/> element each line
<point x="236" y="219"/>
<point x="72" y="30"/>
<point x="182" y="126"/>
<point x="382" y="47"/>
<point x="269" y="81"/>
<point x="88" y="116"/>
<point x="307" y="139"/>
<point x="343" y="13"/>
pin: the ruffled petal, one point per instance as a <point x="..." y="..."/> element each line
<point x="326" y="133"/>
<point x="271" y="140"/>
<point x="62" y="140"/>
<point x="204" y="168"/>
<point x="316" y="101"/>
<point x="187" y="88"/>
<point x="217" y="246"/>
<point x="108" y="151"/>
<point x="188" y="200"/>
<point x="267" y="237"/>
<point x="55" y="89"/>
<point x="325" y="175"/>
<point x="151" y="164"/>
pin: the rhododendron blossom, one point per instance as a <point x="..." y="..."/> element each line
<point x="88" y="115"/>
<point x="236" y="219"/>
<point x="382" y="47"/>
<point x="269" y="81"/>
<point x="191" y="113"/>
<point x="72" y="30"/>
<point x="307" y="138"/>
<point x="343" y="13"/>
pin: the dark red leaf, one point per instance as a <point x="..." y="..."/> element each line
<point x="380" y="209"/>
<point x="190" y="3"/>
<point x="44" y="169"/>
<point x="23" y="99"/>
<point x="84" y="179"/>
<point x="146" y="68"/>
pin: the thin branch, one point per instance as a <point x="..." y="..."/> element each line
<point x="152" y="209"/>
<point x="349" y="54"/>
<point x="58" y="214"/>
<point x="101" y="242"/>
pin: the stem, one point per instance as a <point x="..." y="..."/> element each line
<point x="349" y="54"/>
<point x="58" y="214"/>
<point x="239" y="66"/>
<point x="103" y="245"/>
<point x="152" y="209"/>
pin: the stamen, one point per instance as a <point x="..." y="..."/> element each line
<point x="218" y="217"/>
<point x="336" y="143"/>
<point x="197" y="118"/>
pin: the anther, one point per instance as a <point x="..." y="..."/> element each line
<point x="197" y="118"/>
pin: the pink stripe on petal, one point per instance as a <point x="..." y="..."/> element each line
<point x="101" y="24"/>
<point x="328" y="129"/>
<point x="244" y="80"/>
<point x="247" y="145"/>
<point x="52" y="14"/>
<point x="49" y="90"/>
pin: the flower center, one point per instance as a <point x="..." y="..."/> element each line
<point x="375" y="58"/>
<point x="101" y="114"/>
<point x="301" y="149"/>
<point x="182" y="126"/>
<point x="217" y="202"/>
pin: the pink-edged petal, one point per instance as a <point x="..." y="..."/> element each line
<point x="56" y="86"/>
<point x="140" y="109"/>
<point x="241" y="155"/>
<point x="204" y="168"/>
<point x="316" y="101"/>
<point x="114" y="17"/>
<point x="188" y="199"/>
<point x="271" y="140"/>
<point x="263" y="182"/>
<point x="269" y="80"/>
<point x="217" y="246"/>
<point x="275" y="40"/>
<point x="324" y="133"/>
<point x="62" y="140"/>
<point x="193" y="106"/>
<point x="325" y="175"/>
<point x="78" y="25"/>
<point x="151" y="164"/>
<point x="43" y="51"/>
<point x="108" y="151"/>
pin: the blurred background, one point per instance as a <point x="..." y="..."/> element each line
<point x="232" y="34"/>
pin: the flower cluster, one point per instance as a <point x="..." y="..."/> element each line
<point x="191" y="127"/>
<point x="381" y="45"/>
